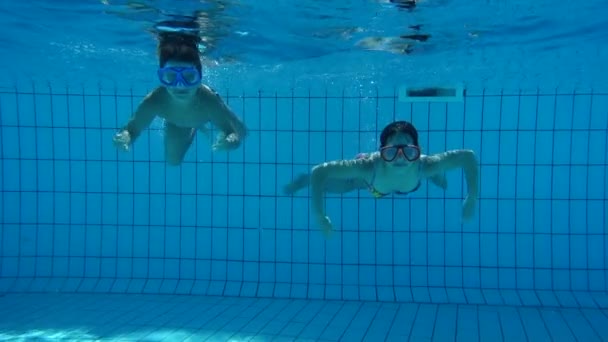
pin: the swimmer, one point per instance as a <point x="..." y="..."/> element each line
<point x="183" y="102"/>
<point x="394" y="45"/>
<point x="398" y="167"/>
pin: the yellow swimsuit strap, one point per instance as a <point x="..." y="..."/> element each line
<point x="375" y="192"/>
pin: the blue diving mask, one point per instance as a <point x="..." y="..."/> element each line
<point x="179" y="76"/>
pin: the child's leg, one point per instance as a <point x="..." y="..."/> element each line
<point x="177" y="142"/>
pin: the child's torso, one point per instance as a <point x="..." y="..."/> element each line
<point x="194" y="113"/>
<point x="386" y="181"/>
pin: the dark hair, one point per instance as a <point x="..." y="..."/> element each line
<point x="178" y="40"/>
<point x="178" y="50"/>
<point x="398" y="127"/>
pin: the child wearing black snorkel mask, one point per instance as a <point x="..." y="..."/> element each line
<point x="398" y="167"/>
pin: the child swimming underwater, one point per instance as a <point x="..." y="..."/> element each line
<point x="398" y="167"/>
<point x="184" y="103"/>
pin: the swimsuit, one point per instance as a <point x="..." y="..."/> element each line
<point x="373" y="190"/>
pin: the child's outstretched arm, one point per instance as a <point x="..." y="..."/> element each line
<point x="340" y="169"/>
<point x="233" y="130"/>
<point x="140" y="120"/>
<point x="439" y="163"/>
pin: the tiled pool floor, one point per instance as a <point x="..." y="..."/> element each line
<point x="130" y="317"/>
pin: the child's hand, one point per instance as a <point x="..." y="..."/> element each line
<point x="226" y="142"/>
<point x="326" y="226"/>
<point x="468" y="208"/>
<point x="300" y="182"/>
<point x="289" y="189"/>
<point x="122" y="140"/>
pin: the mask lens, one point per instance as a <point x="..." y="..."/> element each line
<point x="389" y="153"/>
<point x="185" y="76"/>
<point x="167" y="76"/>
<point x="190" y="76"/>
<point x="411" y="152"/>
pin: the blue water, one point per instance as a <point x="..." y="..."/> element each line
<point x="494" y="44"/>
<point x="101" y="245"/>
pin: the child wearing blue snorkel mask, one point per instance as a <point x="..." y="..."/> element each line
<point x="398" y="167"/>
<point x="183" y="102"/>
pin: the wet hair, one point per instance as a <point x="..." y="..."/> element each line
<point x="178" y="47"/>
<point x="398" y="127"/>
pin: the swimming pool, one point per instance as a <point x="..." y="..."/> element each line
<point x="101" y="245"/>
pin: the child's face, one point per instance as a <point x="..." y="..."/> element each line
<point x="180" y="78"/>
<point x="400" y="150"/>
